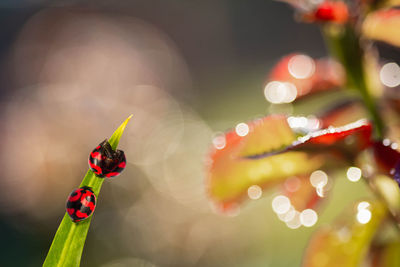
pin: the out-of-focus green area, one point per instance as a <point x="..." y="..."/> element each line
<point x="186" y="71"/>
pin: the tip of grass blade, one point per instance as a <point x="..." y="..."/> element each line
<point x="114" y="139"/>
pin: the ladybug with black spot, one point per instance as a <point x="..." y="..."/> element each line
<point x="81" y="203"/>
<point x="106" y="162"/>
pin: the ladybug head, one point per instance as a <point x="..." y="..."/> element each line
<point x="111" y="158"/>
<point x="105" y="161"/>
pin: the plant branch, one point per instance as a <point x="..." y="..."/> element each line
<point x="344" y="44"/>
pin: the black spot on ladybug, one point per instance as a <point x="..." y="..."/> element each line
<point x="81" y="203"/>
<point x="106" y="162"/>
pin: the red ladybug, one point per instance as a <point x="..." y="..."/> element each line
<point x="81" y="204"/>
<point x="105" y="162"/>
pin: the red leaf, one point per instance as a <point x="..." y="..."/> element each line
<point x="301" y="193"/>
<point x="333" y="135"/>
<point x="269" y="152"/>
<point x="385" y="156"/>
<point x="387" y="159"/>
<point x="329" y="138"/>
<point x="307" y="75"/>
<point x="230" y="174"/>
<point x="342" y="113"/>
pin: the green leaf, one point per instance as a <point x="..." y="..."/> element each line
<point x="347" y="241"/>
<point x="67" y="246"/>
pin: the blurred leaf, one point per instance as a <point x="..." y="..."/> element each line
<point x="230" y="175"/>
<point x="271" y="133"/>
<point x="386" y="255"/>
<point x="383" y="25"/>
<point x="67" y="246"/>
<point x="345" y="141"/>
<point x="270" y="152"/>
<point x="345" y="45"/>
<point x="346" y="242"/>
<point x="309" y="76"/>
<point x="388" y="179"/>
<point x="393" y="99"/>
<point x="359" y="133"/>
<point x="301" y="193"/>
<point x="390" y="193"/>
<point x="342" y="113"/>
<point x="385" y="156"/>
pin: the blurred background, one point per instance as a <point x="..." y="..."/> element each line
<point x="71" y="73"/>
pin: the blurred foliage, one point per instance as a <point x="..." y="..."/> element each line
<point x="345" y="242"/>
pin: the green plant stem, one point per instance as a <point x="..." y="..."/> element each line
<point x="344" y="44"/>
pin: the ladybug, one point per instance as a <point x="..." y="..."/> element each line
<point x="81" y="203"/>
<point x="105" y="162"/>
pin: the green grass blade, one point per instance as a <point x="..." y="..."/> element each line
<point x="66" y="249"/>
